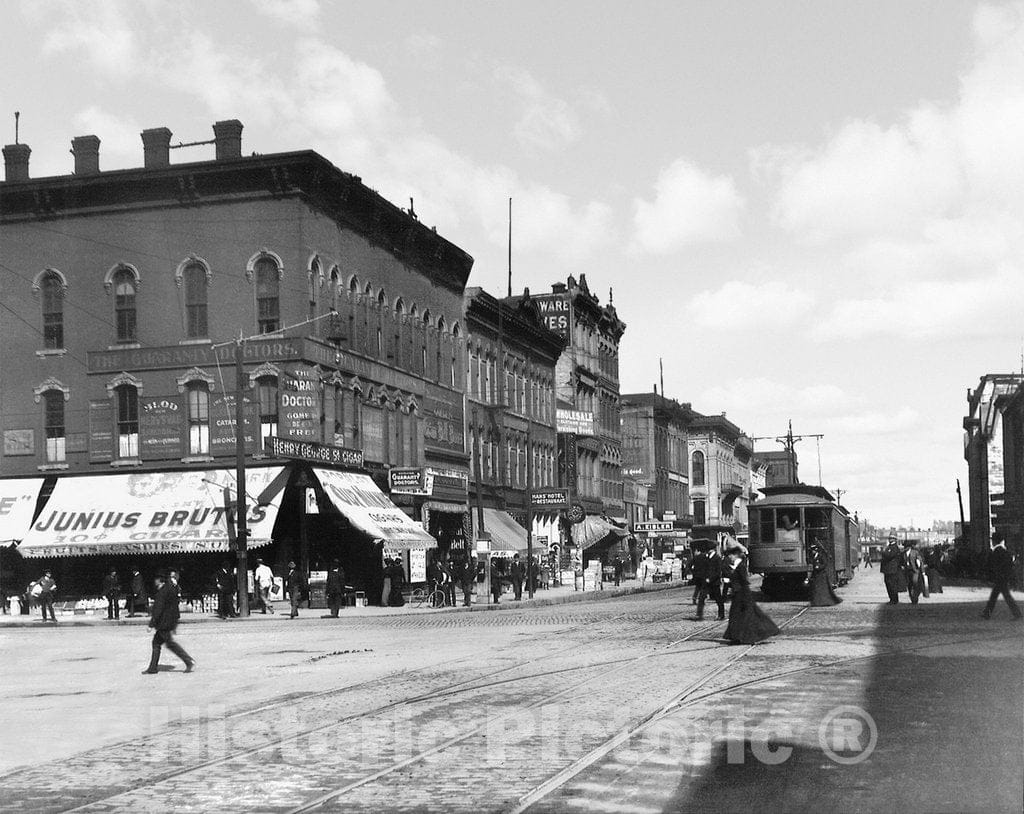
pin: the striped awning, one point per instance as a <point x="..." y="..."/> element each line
<point x="507" y="536"/>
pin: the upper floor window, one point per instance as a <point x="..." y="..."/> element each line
<point x="53" y="426"/>
<point x="266" y="387"/>
<point x="335" y="287"/>
<point x="268" y="289"/>
<point x="52" y="289"/>
<point x="198" y="418"/>
<point x="697" y="466"/>
<point x="124" y="305"/>
<point x="196" y="282"/>
<point x="127" y="421"/>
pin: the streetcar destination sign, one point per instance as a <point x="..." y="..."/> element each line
<point x="653" y="525"/>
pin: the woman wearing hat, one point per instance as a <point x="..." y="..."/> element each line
<point x="748" y="624"/>
<point x="819" y="586"/>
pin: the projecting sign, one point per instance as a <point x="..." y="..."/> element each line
<point x="550" y="498"/>
<point x="555" y="310"/>
<point x="415" y="481"/>
<point x="578" y="422"/>
<point x="653" y="526"/>
<point x="315" y="453"/>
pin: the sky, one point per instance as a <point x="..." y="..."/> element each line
<point x="809" y="212"/>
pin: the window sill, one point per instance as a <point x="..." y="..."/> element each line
<point x="194" y="341"/>
<point x="126" y="462"/>
<point x="54" y="467"/>
<point x="197" y="459"/>
<point x="51" y="352"/>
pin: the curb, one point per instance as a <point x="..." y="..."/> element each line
<point x="203" y="617"/>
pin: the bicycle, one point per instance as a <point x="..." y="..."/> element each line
<point x="433" y="596"/>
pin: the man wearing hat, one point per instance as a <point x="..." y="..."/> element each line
<point x="296" y="587"/>
<point x="335" y="588"/>
<point x="913" y="570"/>
<point x="164" y="622"/>
<point x="890" y="568"/>
<point x="1000" y="572"/>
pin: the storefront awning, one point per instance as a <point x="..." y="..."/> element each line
<point x="18" y="498"/>
<point x="147" y="513"/>
<point x="594" y="530"/>
<point x="367" y="508"/>
<point x="506" y="533"/>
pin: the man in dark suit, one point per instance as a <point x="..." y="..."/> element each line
<point x="712" y="583"/>
<point x="164" y="621"/>
<point x="296" y="587"/>
<point x="112" y="591"/>
<point x="226" y="592"/>
<point x="137" y="593"/>
<point x="1000" y="572"/>
<point x="335" y="588"/>
<point x="517" y="572"/>
<point x="890" y="568"/>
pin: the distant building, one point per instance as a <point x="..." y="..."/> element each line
<point x="781" y="467"/>
<point x="720" y="457"/>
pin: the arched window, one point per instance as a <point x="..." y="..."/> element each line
<point x="53" y="426"/>
<point x="124" y="305"/>
<point x="196" y="283"/>
<point x="198" y="418"/>
<point x="316" y="279"/>
<point x="335" y="286"/>
<point x="266" y="388"/>
<point x="127" y="421"/>
<point x="697" y="466"/>
<point x="52" y="289"/>
<point x="268" y="290"/>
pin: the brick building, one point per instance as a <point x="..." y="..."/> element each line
<point x="119" y="288"/>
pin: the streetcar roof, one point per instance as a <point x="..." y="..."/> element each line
<point x="798" y="492"/>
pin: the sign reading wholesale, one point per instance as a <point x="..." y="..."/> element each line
<point x="577" y="422"/>
<point x="146" y="513"/>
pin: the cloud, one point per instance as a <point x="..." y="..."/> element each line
<point x="772" y="400"/>
<point x="750" y="307"/>
<point x="990" y="306"/>
<point x="101" y="30"/>
<point x="303" y="14"/>
<point x="120" y="143"/>
<point x="545" y="121"/>
<point x="876" y="422"/>
<point x="690" y="206"/>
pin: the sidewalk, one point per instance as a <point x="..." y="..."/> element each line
<point x="551" y="596"/>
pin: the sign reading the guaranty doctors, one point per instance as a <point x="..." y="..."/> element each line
<point x="313" y="452"/>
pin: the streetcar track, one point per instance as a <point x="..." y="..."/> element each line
<point x="686" y="698"/>
<point x="451" y="690"/>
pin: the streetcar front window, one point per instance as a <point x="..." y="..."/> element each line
<point x="766" y="527"/>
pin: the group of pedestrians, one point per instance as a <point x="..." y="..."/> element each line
<point x="903" y="569"/>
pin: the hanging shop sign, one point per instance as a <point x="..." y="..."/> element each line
<point x="444" y="419"/>
<point x="549" y="498"/>
<point x="576" y="513"/>
<point x="653" y="527"/>
<point x="410" y="481"/>
<point x="312" y="452"/>
<point x="222" y="425"/>
<point x="578" y="422"/>
<point x="555" y="310"/>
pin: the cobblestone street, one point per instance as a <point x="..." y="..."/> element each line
<point x="621" y="704"/>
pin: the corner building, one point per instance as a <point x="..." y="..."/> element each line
<point x="122" y="293"/>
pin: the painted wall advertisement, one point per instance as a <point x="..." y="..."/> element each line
<point x="555" y="310"/>
<point x="444" y="419"/>
<point x="160" y="427"/>
<point x="578" y="422"/>
<point x="299" y="405"/>
<point x="101" y="431"/>
<point x="222" y="425"/>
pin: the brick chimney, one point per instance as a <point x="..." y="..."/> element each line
<point x="227" y="137"/>
<point x="16" y="162"/>
<point x="156" y="147"/>
<point x="86" y="150"/>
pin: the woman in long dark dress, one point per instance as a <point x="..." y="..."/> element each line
<point x="748" y="624"/>
<point x="820" y="586"/>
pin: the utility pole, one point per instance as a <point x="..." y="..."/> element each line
<point x="788" y="441"/>
<point x="242" y="533"/>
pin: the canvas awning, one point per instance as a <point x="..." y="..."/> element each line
<point x="506" y="534"/>
<point x="356" y="496"/>
<point x="594" y="530"/>
<point x="147" y="513"/>
<point x="18" y="498"/>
